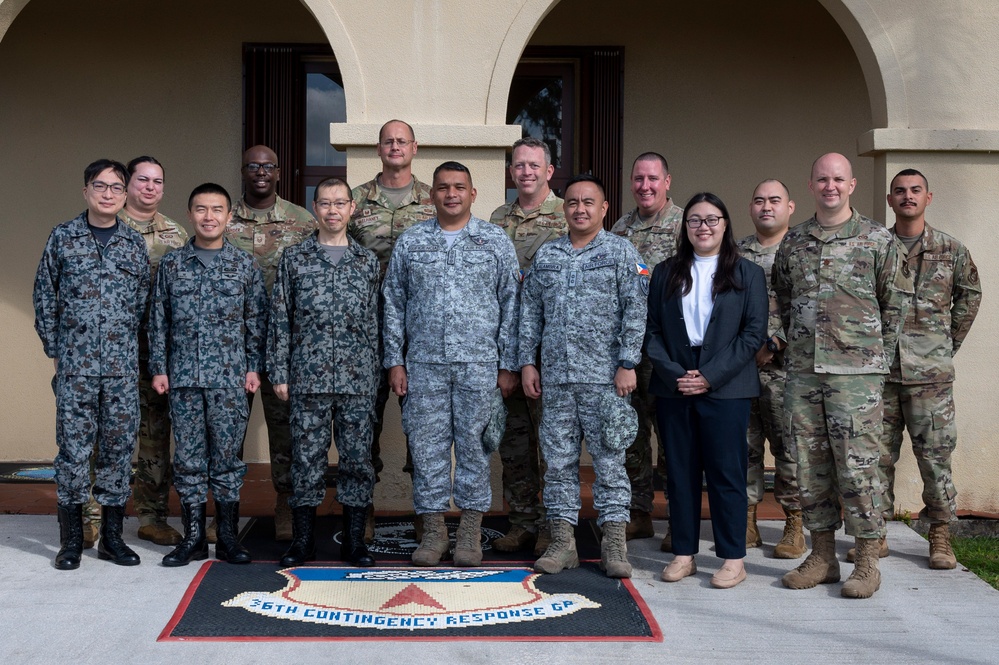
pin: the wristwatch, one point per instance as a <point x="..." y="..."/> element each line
<point x="772" y="346"/>
<point x="626" y="364"/>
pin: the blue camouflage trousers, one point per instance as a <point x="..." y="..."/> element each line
<point x="348" y="419"/>
<point x="99" y="412"/>
<point x="445" y="404"/>
<point x="834" y="427"/>
<point x="208" y="427"/>
<point x="927" y="411"/>
<point x="569" y="412"/>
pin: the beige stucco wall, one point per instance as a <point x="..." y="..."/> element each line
<point x="731" y="92"/>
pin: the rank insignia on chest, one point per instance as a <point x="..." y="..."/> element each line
<point x="642" y="268"/>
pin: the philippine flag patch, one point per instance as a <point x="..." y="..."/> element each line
<point x="642" y="268"/>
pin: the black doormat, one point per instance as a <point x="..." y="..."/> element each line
<point x="395" y="539"/>
<point x="261" y="602"/>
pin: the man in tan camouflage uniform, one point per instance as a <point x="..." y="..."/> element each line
<point x="533" y="219"/>
<point x="843" y="288"/>
<point x="919" y="394"/>
<point x="653" y="227"/>
<point x="264" y="224"/>
<point x="771" y="210"/>
<point x="385" y="207"/>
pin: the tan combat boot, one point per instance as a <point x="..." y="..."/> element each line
<point x="753" y="537"/>
<point x="516" y="539"/>
<point x="468" y="540"/>
<point x="792" y="543"/>
<point x="544" y="540"/>
<point x="941" y="554"/>
<point x="667" y="544"/>
<point x="561" y="554"/>
<point x="882" y="550"/>
<point x="90" y="533"/>
<point x="640" y="526"/>
<point x="820" y="567"/>
<point x="614" y="550"/>
<point x="282" y="518"/>
<point x="434" y="543"/>
<point x="866" y="578"/>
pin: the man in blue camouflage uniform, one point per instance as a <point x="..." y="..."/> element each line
<point x="584" y="307"/>
<point x="653" y="227"/>
<point x="264" y="224"/>
<point x="91" y="292"/>
<point x="322" y="354"/>
<point x="207" y="331"/>
<point x="451" y="303"/>
<point x="770" y="210"/>
<point x="530" y="221"/>
<point x="385" y="207"/>
<point x="919" y="393"/>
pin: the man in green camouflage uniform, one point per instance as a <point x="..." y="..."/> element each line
<point x="385" y="207"/>
<point x="770" y="210"/>
<point x="843" y="289"/>
<point x="653" y="227"/>
<point x="322" y="354"/>
<point x="264" y="224"/>
<point x="919" y="394"/>
<point x="532" y="220"/>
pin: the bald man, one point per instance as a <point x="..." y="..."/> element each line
<point x="264" y="224"/>
<point x="842" y="286"/>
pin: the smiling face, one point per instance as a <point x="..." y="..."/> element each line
<point x="585" y="208"/>
<point x="530" y="172"/>
<point x="706" y="239"/>
<point x="333" y="208"/>
<point x="209" y="215"/>
<point x="453" y="196"/>
<point x="650" y="186"/>
<point x="909" y="197"/>
<point x="145" y="188"/>
<point x="103" y="206"/>
<point x="260" y="184"/>
<point x="831" y="184"/>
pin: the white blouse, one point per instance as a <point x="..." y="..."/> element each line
<point x="697" y="304"/>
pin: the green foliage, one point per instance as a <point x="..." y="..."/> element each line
<point x="980" y="555"/>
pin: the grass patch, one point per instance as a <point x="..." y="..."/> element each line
<point x="980" y="555"/>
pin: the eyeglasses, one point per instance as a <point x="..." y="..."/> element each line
<point x="402" y="143"/>
<point x="253" y="167"/>
<point x="100" y="187"/>
<point x="323" y="204"/>
<point x="710" y="221"/>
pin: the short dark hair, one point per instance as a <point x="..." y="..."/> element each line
<point x="905" y="172"/>
<point x="452" y="166"/>
<point x="329" y="182"/>
<point x="144" y="159"/>
<point x="381" y="130"/>
<point x="209" y="188"/>
<point x="532" y="142"/>
<point x="651" y="157"/>
<point x="586" y="177"/>
<point x="94" y="169"/>
<point x="787" y="191"/>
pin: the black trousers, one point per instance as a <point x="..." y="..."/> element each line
<point x="706" y="436"/>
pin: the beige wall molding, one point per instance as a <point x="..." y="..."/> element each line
<point x="350" y="135"/>
<point x="880" y="141"/>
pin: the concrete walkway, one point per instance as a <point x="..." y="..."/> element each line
<point x="103" y="613"/>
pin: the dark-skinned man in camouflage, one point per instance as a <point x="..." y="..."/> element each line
<point x="90" y="294"/>
<point x="583" y="308"/>
<point x="207" y="330"/>
<point x="323" y="356"/>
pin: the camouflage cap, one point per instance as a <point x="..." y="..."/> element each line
<point x="618" y="421"/>
<point x="496" y="427"/>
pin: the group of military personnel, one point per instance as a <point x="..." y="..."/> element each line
<point x="523" y="334"/>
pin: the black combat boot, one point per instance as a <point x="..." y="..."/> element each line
<point x="194" y="547"/>
<point x="111" y="546"/>
<point x="303" y="540"/>
<point x="70" y="536"/>
<point x="353" y="548"/>
<point x="227" y="547"/>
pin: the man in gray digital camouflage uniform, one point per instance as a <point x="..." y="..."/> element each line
<point x="323" y="356"/>
<point x="583" y="307"/>
<point x="919" y="393"/>
<point x="843" y="288"/>
<point x="207" y="329"/>
<point x="533" y="219"/>
<point x="653" y="227"/>
<point x="90" y="294"/>
<point x="385" y="207"/>
<point x="264" y="224"/>
<point x="451" y="303"/>
<point x="770" y="210"/>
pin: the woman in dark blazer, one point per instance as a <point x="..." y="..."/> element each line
<point x="707" y="319"/>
